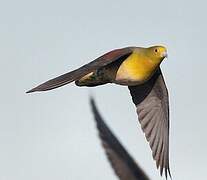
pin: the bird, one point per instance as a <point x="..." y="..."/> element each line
<point x="123" y="164"/>
<point x="139" y="69"/>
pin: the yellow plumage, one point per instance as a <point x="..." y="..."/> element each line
<point x="135" y="69"/>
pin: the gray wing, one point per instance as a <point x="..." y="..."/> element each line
<point x="112" y="56"/>
<point x="122" y="163"/>
<point x="152" y="102"/>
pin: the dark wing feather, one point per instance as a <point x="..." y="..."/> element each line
<point x="69" y="77"/>
<point x="151" y="99"/>
<point x="122" y="163"/>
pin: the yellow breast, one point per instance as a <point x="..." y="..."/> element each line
<point x="136" y="69"/>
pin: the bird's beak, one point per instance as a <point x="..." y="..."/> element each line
<point x="164" y="54"/>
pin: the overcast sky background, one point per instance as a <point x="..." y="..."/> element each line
<point x="52" y="135"/>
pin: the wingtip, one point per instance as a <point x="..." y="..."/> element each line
<point x="38" y="88"/>
<point x="33" y="90"/>
<point x="92" y="103"/>
<point x="30" y="91"/>
<point x="91" y="99"/>
<point x="167" y="173"/>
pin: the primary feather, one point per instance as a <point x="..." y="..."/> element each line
<point x="152" y="102"/>
<point x="123" y="164"/>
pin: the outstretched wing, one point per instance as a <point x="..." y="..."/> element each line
<point x="151" y="100"/>
<point x="115" y="55"/>
<point x="122" y="163"/>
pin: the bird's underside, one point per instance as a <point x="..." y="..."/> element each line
<point x="108" y="74"/>
<point x="152" y="103"/>
<point x="148" y="91"/>
<point x="120" y="66"/>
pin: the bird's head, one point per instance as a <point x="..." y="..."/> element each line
<point x="156" y="53"/>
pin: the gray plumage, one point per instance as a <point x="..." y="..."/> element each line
<point x="122" y="163"/>
<point x="149" y="95"/>
<point x="108" y="58"/>
<point x="151" y="100"/>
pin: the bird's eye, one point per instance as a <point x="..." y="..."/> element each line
<point x="156" y="50"/>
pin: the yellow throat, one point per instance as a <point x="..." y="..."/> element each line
<point x="140" y="65"/>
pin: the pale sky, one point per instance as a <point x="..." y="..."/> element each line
<point x="52" y="135"/>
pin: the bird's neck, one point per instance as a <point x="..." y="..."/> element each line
<point x="137" y="68"/>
